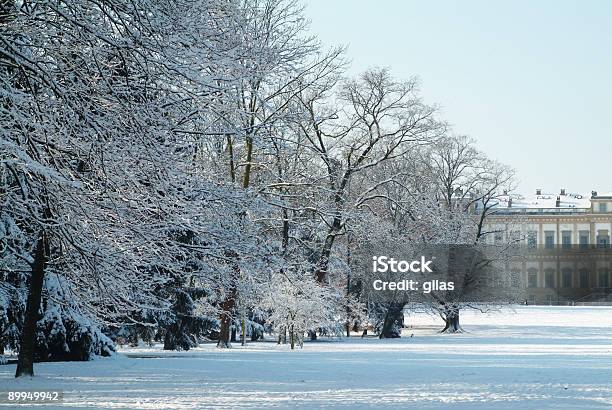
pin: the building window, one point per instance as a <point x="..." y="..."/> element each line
<point x="549" y="239"/>
<point x="603" y="279"/>
<point x="584" y="239"/>
<point x="584" y="278"/>
<point x="498" y="237"/>
<point x="566" y="239"/>
<point x="532" y="278"/>
<point x="515" y="278"/>
<point x="532" y="239"/>
<point x="566" y="278"/>
<point x="603" y="240"/>
<point x="501" y="281"/>
<point x="603" y="207"/>
<point x="549" y="278"/>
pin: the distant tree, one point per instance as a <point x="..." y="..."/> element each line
<point x="470" y="187"/>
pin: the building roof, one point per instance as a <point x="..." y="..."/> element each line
<point x="543" y="204"/>
<point x="605" y="195"/>
<point x="545" y="200"/>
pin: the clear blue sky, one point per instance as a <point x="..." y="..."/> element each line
<point x="531" y="81"/>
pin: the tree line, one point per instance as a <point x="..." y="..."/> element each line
<point x="178" y="170"/>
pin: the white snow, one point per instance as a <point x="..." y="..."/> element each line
<point x="525" y="357"/>
<point x="547" y="201"/>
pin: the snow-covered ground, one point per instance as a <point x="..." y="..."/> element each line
<point x="531" y="357"/>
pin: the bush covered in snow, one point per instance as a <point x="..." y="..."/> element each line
<point x="63" y="332"/>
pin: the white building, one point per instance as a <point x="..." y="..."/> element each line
<point x="568" y="238"/>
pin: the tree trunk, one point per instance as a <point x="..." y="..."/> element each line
<point x="394" y="321"/>
<point x="323" y="263"/>
<point x="254" y="335"/>
<point x="312" y="334"/>
<point x="243" y="330"/>
<point x="292" y="337"/>
<point x="452" y="322"/>
<point x="229" y="303"/>
<point x="226" y="333"/>
<point x="133" y="337"/>
<point x="227" y="308"/>
<point x="248" y="165"/>
<point x="348" y="283"/>
<point x="282" y="336"/>
<point x="230" y="150"/>
<point x="233" y="337"/>
<point x="170" y="341"/>
<point x="285" y="231"/>
<point x="27" y="345"/>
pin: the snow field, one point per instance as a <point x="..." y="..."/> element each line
<point x="525" y="357"/>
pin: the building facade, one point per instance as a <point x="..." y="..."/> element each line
<point x="566" y="238"/>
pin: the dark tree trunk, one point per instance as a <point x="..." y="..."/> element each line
<point x="27" y="345"/>
<point x="323" y="263"/>
<point x="133" y="338"/>
<point x="226" y="319"/>
<point x="282" y="336"/>
<point x="230" y="151"/>
<point x="292" y="337"/>
<point x="228" y="305"/>
<point x="452" y="322"/>
<point x="348" y="283"/>
<point x="243" y="332"/>
<point x="255" y="335"/>
<point x="170" y="342"/>
<point x="176" y="338"/>
<point x="394" y="321"/>
<point x="312" y="334"/>
<point x="233" y="334"/>
<point x="285" y="231"/>
<point x="172" y="335"/>
<point x="248" y="165"/>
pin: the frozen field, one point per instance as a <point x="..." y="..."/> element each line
<point x="532" y="357"/>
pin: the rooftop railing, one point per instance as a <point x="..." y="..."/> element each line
<point x="539" y="211"/>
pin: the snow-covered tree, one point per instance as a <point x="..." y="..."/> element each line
<point x="96" y="176"/>
<point x="470" y="185"/>
<point x="298" y="304"/>
<point x="173" y="170"/>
